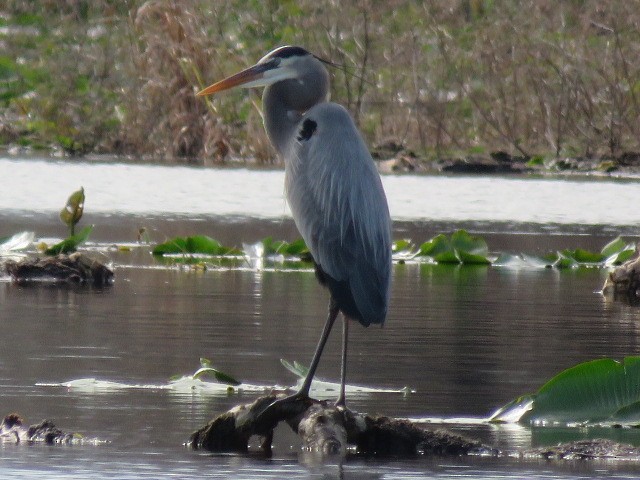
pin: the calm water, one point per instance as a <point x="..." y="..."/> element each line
<point x="467" y="339"/>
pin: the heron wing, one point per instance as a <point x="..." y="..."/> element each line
<point x="340" y="208"/>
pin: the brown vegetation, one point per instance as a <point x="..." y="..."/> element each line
<point x="472" y="76"/>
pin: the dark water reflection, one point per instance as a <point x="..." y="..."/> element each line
<point x="467" y="339"/>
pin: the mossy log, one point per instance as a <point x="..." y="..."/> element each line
<point x="624" y="281"/>
<point x="76" y="268"/>
<point x="328" y="430"/>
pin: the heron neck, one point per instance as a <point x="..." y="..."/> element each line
<point x="280" y="120"/>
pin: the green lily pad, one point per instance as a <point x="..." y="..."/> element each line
<point x="602" y="391"/>
<point x="281" y="247"/>
<point x="206" y="369"/>
<point x="197" y="244"/>
<point x="459" y="248"/>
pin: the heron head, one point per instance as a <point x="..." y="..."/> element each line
<point x="283" y="63"/>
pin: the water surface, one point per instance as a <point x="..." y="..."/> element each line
<point x="466" y="339"/>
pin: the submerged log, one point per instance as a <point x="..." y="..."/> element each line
<point x="328" y="430"/>
<point x="597" y="449"/>
<point x="76" y="268"/>
<point x="624" y="281"/>
<point x="14" y="430"/>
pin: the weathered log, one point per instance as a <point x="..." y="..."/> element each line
<point x="586" y="450"/>
<point x="13" y="429"/>
<point x="76" y="268"/>
<point x="624" y="281"/>
<point x="328" y="430"/>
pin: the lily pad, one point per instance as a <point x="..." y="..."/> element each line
<point x="602" y="391"/>
<point x="461" y="247"/>
<point x="296" y="248"/>
<point x="207" y="369"/>
<point x="197" y="244"/>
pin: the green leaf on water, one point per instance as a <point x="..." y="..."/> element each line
<point x="618" y="251"/>
<point x="581" y="255"/>
<point x="437" y="245"/>
<point x="622" y="256"/>
<point x="196" y="244"/>
<point x="280" y="247"/>
<point x="463" y="242"/>
<point x="403" y="245"/>
<point x="602" y="391"/>
<point x="565" y="261"/>
<point x="206" y="369"/>
<point x="71" y="243"/>
<point x="614" y="247"/>
<point x="18" y="241"/>
<point x="461" y="247"/>
<point x="471" y="258"/>
<point x="296" y="368"/>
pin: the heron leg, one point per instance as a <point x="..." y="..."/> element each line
<point x="341" y="402"/>
<point x="331" y="318"/>
<point x="303" y="393"/>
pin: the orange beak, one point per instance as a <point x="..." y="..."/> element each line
<point x="248" y="77"/>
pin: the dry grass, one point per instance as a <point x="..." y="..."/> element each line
<point x="531" y="77"/>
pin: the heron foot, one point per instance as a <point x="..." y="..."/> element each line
<point x="299" y="400"/>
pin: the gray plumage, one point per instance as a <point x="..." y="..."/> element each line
<point x="332" y="186"/>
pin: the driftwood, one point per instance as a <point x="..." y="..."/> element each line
<point x="328" y="430"/>
<point x="14" y="430"/>
<point x="76" y="268"/>
<point x="598" y="449"/>
<point x="624" y="282"/>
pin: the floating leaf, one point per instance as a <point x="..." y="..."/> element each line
<point x="207" y="369"/>
<point x="565" y="261"/>
<point x="296" y="368"/>
<point x="513" y="411"/>
<point x="614" y="247"/>
<point x="72" y="211"/>
<point x="581" y="255"/>
<point x="459" y="248"/>
<point x="539" y="262"/>
<point x="618" y="251"/>
<point x="602" y="391"/>
<point x="463" y="242"/>
<point x="280" y="247"/>
<point x="197" y="244"/>
<point x="622" y="256"/>
<point x="19" y="241"/>
<point x="471" y="258"/>
<point x="436" y="246"/>
<point x="71" y="243"/>
<point x="403" y="246"/>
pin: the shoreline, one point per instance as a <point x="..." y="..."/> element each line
<point x="625" y="166"/>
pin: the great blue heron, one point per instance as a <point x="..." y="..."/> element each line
<point x="332" y="186"/>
